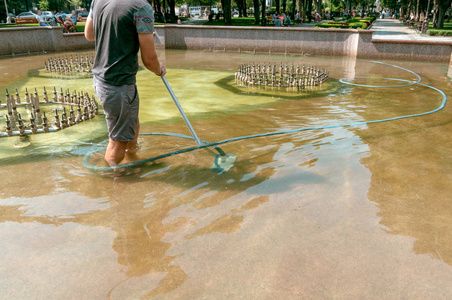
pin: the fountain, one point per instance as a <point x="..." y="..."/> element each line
<point x="39" y="123"/>
<point x="291" y="78"/>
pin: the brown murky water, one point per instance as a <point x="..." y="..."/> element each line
<point x="349" y="212"/>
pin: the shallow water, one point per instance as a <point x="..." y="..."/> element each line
<point x="347" y="212"/>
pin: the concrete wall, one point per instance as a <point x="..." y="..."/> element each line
<point x="406" y="50"/>
<point x="315" y="41"/>
<point x="38" y="39"/>
<point x="261" y="39"/>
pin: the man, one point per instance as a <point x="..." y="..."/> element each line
<point x="119" y="28"/>
<point x="41" y="20"/>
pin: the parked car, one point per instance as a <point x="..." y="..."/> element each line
<point x="82" y="16"/>
<point x="62" y="14"/>
<point x="26" y="15"/>
<point x="48" y="15"/>
<point x="12" y="17"/>
<point x="4" y="17"/>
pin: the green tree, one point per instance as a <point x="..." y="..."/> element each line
<point x="43" y="5"/>
<point x="440" y="8"/>
<point x="75" y="3"/>
<point x="15" y="6"/>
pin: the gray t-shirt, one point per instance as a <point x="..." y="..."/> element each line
<point x="116" y="27"/>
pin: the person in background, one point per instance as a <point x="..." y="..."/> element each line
<point x="74" y="17"/>
<point x="41" y="20"/>
<point x="286" y="19"/>
<point x="277" y="20"/>
<point x="298" y="17"/>
<point x="120" y="28"/>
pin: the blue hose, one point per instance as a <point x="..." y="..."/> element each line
<point x="215" y="144"/>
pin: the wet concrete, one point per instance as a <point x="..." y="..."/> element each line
<point x="353" y="212"/>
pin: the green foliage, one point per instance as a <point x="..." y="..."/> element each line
<point x="333" y="25"/>
<point x="433" y="32"/>
<point x="360" y="25"/>
<point x="369" y="19"/>
<point x="75" y="3"/>
<point x="348" y="25"/>
<point x="353" y="20"/>
<point x="43" y="5"/>
<point x="199" y="2"/>
<point x="14" y="5"/>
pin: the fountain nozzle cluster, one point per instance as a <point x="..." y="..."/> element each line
<point x="71" y="65"/>
<point x="86" y="108"/>
<point x="294" y="78"/>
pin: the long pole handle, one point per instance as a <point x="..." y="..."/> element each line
<point x="193" y="133"/>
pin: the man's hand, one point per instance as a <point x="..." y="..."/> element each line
<point x="163" y="70"/>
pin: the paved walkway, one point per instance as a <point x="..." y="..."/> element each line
<point x="391" y="29"/>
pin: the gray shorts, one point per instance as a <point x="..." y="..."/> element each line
<point x="121" y="104"/>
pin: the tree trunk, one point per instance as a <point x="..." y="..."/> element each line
<point x="443" y="6"/>
<point x="277" y="3"/>
<point x="226" y="4"/>
<point x="257" y="18"/>
<point x="440" y="21"/>
<point x="172" y="7"/>
<point x="435" y="17"/>
<point x="304" y="8"/>
<point x="157" y="6"/>
<point x="309" y="10"/>
<point x="240" y="7"/>
<point x="263" y="12"/>
<point x="318" y="6"/>
<point x="418" y="10"/>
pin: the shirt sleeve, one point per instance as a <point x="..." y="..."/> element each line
<point x="90" y="14"/>
<point x="144" y="19"/>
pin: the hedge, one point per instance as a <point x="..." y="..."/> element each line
<point x="357" y="25"/>
<point x="439" y="32"/>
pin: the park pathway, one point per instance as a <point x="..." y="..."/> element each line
<point x="393" y="29"/>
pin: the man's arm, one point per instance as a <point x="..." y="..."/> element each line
<point x="89" y="29"/>
<point x="148" y="54"/>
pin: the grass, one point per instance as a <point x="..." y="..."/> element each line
<point x="447" y="26"/>
<point x="14" y="25"/>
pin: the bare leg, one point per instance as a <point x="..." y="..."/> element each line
<point x="115" y="152"/>
<point x="132" y="147"/>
